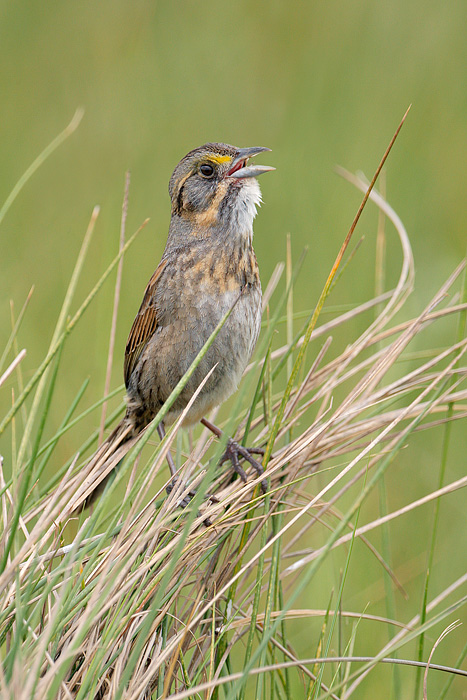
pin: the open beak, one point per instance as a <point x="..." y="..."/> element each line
<point x="239" y="167"/>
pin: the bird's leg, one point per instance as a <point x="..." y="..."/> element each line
<point x="233" y="453"/>
<point x="172" y="467"/>
<point x="173" y="470"/>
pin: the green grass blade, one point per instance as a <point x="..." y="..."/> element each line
<point x="58" y="140"/>
<point x="14" y="332"/>
<point x="61" y="339"/>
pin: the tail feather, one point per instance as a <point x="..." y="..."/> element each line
<point x="86" y="485"/>
<point x="101" y="468"/>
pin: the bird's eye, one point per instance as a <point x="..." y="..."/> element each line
<point x="206" y="170"/>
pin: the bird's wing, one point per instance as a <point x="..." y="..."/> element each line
<point x="143" y="326"/>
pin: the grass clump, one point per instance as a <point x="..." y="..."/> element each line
<point x="140" y="599"/>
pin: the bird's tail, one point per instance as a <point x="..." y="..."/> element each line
<point x="78" y="492"/>
<point x="101" y="468"/>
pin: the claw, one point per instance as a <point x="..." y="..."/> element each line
<point x="232" y="452"/>
<point x="255" y="451"/>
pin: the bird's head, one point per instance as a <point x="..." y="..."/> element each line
<point x="214" y="185"/>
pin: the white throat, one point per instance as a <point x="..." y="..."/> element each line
<point x="246" y="203"/>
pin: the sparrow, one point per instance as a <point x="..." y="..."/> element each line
<point x="208" y="268"/>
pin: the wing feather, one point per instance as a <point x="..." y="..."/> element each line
<point x="144" y="325"/>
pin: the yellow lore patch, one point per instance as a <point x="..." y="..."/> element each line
<point x="219" y="159"/>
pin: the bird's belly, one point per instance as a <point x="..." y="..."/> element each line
<point x="176" y="346"/>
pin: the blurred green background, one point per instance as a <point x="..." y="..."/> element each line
<point x="320" y="83"/>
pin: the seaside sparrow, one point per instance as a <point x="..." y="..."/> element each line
<point x="208" y="268"/>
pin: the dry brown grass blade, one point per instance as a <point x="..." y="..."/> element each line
<point x="11" y="368"/>
<point x="443" y="634"/>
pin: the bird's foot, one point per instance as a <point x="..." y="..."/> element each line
<point x="188" y="497"/>
<point x="234" y="452"/>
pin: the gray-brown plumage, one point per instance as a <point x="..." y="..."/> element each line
<point x="208" y="267"/>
